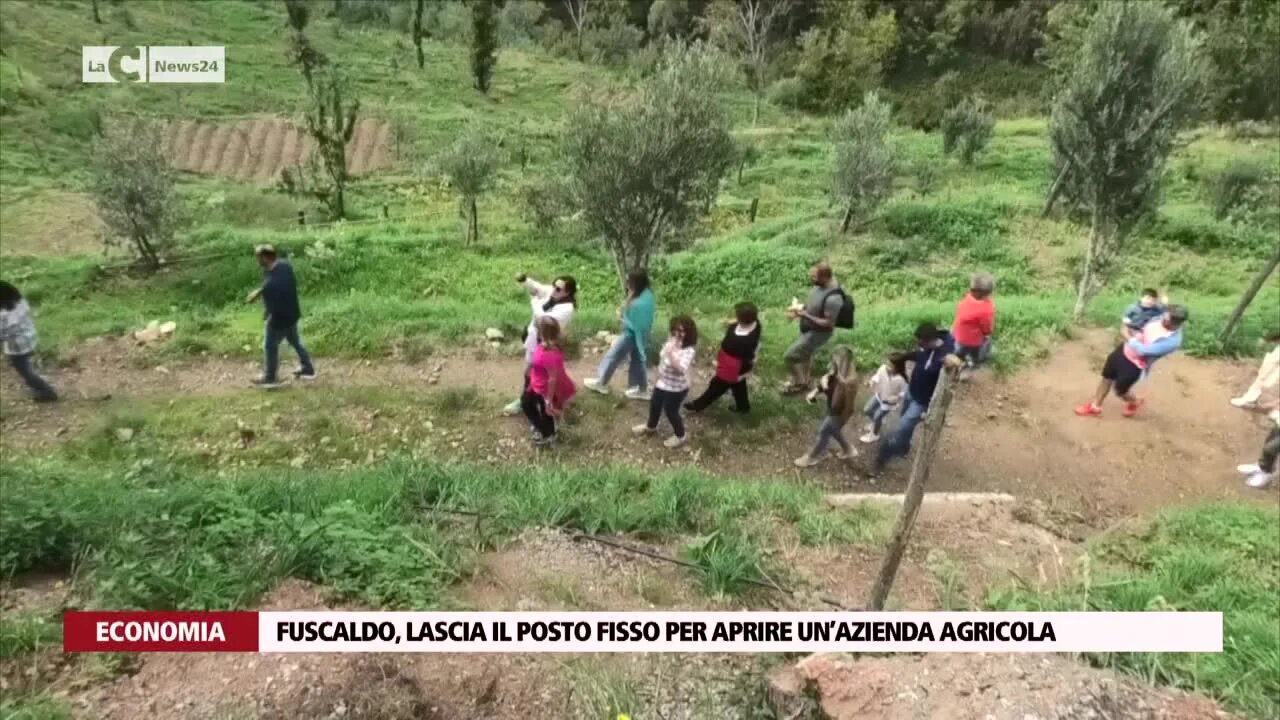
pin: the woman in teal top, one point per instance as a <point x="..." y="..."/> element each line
<point x="637" y="324"/>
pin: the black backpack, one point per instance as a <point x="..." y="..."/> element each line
<point x="844" y="318"/>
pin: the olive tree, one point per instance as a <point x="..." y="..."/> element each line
<point x="133" y="188"/>
<point x="645" y="167"/>
<point x="471" y="164"/>
<point x="864" y="164"/>
<point x="967" y="129"/>
<point x="1134" y="82"/>
<point x="331" y="123"/>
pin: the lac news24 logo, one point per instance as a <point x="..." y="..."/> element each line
<point x="153" y="64"/>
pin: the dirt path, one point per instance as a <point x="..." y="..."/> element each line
<point x="1015" y="435"/>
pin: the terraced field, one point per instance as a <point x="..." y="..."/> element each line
<point x="257" y="149"/>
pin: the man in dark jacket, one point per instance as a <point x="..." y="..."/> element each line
<point x="279" y="293"/>
<point x="936" y="352"/>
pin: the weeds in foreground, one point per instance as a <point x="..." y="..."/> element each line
<point x="1211" y="558"/>
<point x="601" y="692"/>
<point x="161" y="537"/>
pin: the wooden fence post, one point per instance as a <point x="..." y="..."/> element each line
<point x="1250" y="292"/>
<point x="925" y="450"/>
<point x="302" y="218"/>
<point x="755" y="206"/>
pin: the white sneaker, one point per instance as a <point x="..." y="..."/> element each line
<point x="1248" y="469"/>
<point x="512" y="408"/>
<point x="638" y="394"/>
<point x="675" y="442"/>
<point x="807" y="461"/>
<point x="869" y="437"/>
<point x="596" y="385"/>
<point x="847" y="457"/>
<point x="1242" y="402"/>
<point x="643" y="430"/>
<point x="1258" y="480"/>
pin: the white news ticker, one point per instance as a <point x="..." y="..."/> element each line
<point x="1072" y="632"/>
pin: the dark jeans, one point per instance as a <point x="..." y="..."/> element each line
<point x="665" y="400"/>
<point x="717" y="388"/>
<point x="271" y="349"/>
<point x="898" y="444"/>
<point x="39" y="387"/>
<point x="1270" y="451"/>
<point x="535" y="408"/>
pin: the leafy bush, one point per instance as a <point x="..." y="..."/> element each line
<point x="543" y="201"/>
<point x="365" y="12"/>
<point x="1231" y="188"/>
<point x="787" y="92"/>
<point x="922" y="108"/>
<point x="967" y="128"/>
<point x="518" y="21"/>
<point x="864" y="164"/>
<point x="944" y="225"/>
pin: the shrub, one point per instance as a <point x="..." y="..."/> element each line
<point x="543" y="201"/>
<point x="787" y="92"/>
<point x="1230" y="189"/>
<point x="967" y="128"/>
<point x="944" y="225"/>
<point x="518" y="21"/>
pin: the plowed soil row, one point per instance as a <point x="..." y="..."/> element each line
<point x="258" y="149"/>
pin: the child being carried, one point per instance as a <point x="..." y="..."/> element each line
<point x="890" y="386"/>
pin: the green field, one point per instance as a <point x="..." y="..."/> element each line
<point x="158" y="525"/>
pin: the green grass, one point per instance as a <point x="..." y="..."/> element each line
<point x="22" y="633"/>
<point x="27" y="706"/>
<point x="1211" y="558"/>
<point x="155" y="536"/>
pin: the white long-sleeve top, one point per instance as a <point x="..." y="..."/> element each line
<point x="539" y="294"/>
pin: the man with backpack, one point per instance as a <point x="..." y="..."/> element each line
<point x="827" y="308"/>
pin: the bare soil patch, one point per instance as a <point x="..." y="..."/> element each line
<point x="259" y="148"/>
<point x="972" y="687"/>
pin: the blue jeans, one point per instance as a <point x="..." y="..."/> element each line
<point x="624" y="347"/>
<point x="271" y="349"/>
<point x="876" y="413"/>
<point x="829" y="430"/>
<point x="898" y="444"/>
<point x="39" y="387"/>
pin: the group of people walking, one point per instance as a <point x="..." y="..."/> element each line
<point x="1151" y="328"/>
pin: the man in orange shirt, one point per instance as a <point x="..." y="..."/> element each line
<point x="975" y="321"/>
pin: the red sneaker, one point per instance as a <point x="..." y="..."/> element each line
<point x="1131" y="409"/>
<point x="1089" y="410"/>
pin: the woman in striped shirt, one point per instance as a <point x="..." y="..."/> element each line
<point x="675" y="371"/>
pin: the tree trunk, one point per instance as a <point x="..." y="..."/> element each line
<point x="848" y="218"/>
<point x="1250" y="292"/>
<point x="1085" y="291"/>
<point x="920" y="467"/>
<point x="475" y="223"/>
<point x="755" y="108"/>
<point x="417" y="32"/>
<point x="146" y="251"/>
<point x="96" y="17"/>
<point x="339" y="200"/>
<point x="1055" y="190"/>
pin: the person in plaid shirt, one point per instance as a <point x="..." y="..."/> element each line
<point x="18" y="333"/>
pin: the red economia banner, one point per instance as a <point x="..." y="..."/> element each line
<point x="622" y="632"/>
<point x="160" y="632"/>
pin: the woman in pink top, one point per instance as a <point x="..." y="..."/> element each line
<point x="550" y="387"/>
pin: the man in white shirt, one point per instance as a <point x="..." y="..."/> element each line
<point x="557" y="300"/>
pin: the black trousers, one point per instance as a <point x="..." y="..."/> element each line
<point x="535" y="408"/>
<point x="717" y="388"/>
<point x="668" y="402"/>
